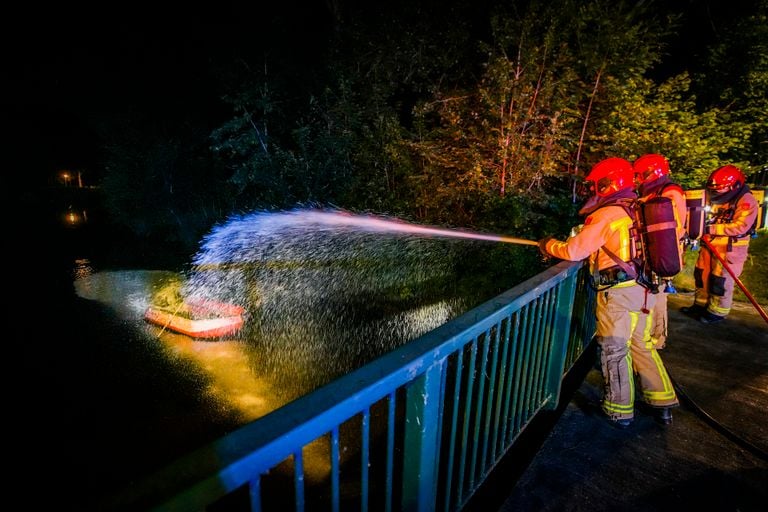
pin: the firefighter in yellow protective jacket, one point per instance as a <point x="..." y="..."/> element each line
<point x="653" y="180"/>
<point x="732" y="220"/>
<point x="623" y="316"/>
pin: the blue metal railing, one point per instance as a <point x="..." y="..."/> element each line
<point x="419" y="428"/>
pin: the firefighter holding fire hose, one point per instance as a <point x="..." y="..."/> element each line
<point x="653" y="180"/>
<point x="623" y="304"/>
<point x="731" y="223"/>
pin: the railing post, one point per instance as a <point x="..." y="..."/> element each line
<point x="422" y="428"/>
<point x="583" y="317"/>
<point x="560" y="337"/>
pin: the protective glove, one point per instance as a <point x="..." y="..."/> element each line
<point x="543" y="245"/>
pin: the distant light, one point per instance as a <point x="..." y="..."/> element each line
<point x="72" y="218"/>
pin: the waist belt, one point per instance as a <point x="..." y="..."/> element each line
<point x="613" y="275"/>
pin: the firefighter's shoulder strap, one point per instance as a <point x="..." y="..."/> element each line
<point x="625" y="266"/>
<point x="629" y="206"/>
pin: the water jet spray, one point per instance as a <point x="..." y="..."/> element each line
<point x="307" y="220"/>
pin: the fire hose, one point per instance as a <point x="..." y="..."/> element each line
<point x="759" y="309"/>
<point x="714" y="423"/>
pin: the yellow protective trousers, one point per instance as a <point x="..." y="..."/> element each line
<point x="714" y="284"/>
<point x="659" y="320"/>
<point x="623" y="333"/>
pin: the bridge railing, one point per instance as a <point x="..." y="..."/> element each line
<point x="419" y="428"/>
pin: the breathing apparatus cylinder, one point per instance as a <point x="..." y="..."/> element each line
<point x="662" y="248"/>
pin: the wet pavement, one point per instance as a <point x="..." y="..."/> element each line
<point x="714" y="456"/>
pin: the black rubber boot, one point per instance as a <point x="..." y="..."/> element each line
<point x="694" y="310"/>
<point x="710" y="318"/>
<point x="663" y="416"/>
<point x="621" y="424"/>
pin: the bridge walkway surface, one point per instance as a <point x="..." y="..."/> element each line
<point x="712" y="457"/>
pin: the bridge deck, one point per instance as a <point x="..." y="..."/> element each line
<point x="585" y="464"/>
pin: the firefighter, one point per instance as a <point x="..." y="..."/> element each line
<point x="623" y="316"/>
<point x="731" y="223"/>
<point x="653" y="180"/>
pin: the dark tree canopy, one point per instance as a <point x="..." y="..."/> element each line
<point x="464" y="113"/>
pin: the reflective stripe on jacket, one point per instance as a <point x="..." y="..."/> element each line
<point x="608" y="226"/>
<point x="739" y="224"/>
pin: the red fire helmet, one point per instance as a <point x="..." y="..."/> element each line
<point x="725" y="179"/>
<point x="650" y="167"/>
<point x="611" y="175"/>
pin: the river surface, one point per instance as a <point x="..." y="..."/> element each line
<point x="111" y="397"/>
<point x="127" y="397"/>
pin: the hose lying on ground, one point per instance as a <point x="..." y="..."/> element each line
<point x="754" y="450"/>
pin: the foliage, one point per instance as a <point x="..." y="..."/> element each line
<point x="735" y="79"/>
<point x="161" y="184"/>
<point x="648" y="118"/>
<point x="754" y="277"/>
<point x="343" y="143"/>
<point x="454" y="113"/>
<point x="517" y="129"/>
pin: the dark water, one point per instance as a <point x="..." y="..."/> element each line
<point x="113" y="397"/>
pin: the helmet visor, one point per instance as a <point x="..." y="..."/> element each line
<point x="719" y="188"/>
<point x="605" y="186"/>
<point x="649" y="174"/>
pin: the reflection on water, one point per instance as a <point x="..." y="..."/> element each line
<point x="82" y="269"/>
<point x="319" y="303"/>
<point x="247" y="372"/>
<point x="232" y="381"/>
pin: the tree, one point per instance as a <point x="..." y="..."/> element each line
<point x="734" y="80"/>
<point x="644" y="117"/>
<point x="162" y="185"/>
<point x="482" y="123"/>
<point x="518" y="129"/>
